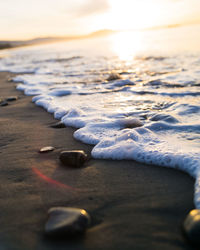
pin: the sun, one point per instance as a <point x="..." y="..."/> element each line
<point x="134" y="14"/>
<point x="138" y="14"/>
<point x="127" y="44"/>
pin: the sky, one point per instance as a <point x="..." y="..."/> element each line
<point x="26" y="19"/>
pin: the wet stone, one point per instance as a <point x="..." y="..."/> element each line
<point x="131" y="123"/>
<point x="113" y="76"/>
<point x="10" y="79"/>
<point x="144" y="117"/>
<point x="191" y="226"/>
<point x="3" y="103"/>
<point x="66" y="221"/>
<point x="58" y="125"/>
<point x="74" y="158"/>
<point x="11" y="98"/>
<point x="46" y="149"/>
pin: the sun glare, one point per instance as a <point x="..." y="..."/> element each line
<point x="133" y="14"/>
<point x="126" y="45"/>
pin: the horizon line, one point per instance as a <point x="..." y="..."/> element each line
<point x="9" y="44"/>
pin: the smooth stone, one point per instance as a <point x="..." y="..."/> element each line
<point x="3" y="103"/>
<point x="65" y="221"/>
<point x="58" y="125"/>
<point x="11" y="98"/>
<point x="131" y="123"/>
<point x="10" y="79"/>
<point x="191" y="226"/>
<point x="144" y="117"/>
<point x="74" y="158"/>
<point x="46" y="149"/>
<point x="113" y="76"/>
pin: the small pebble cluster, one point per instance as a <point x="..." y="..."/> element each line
<point x="66" y="221"/>
<point x="62" y="221"/>
<point x="4" y="102"/>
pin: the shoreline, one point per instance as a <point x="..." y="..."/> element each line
<point x="132" y="205"/>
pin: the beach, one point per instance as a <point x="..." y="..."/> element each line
<point x="132" y="205"/>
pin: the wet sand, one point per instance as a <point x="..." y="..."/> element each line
<point x="132" y="205"/>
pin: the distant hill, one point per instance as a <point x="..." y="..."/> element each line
<point x="43" y="40"/>
<point x="40" y="40"/>
<point x="5" y="45"/>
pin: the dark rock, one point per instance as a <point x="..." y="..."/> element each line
<point x="131" y="123"/>
<point x="3" y="103"/>
<point x="113" y="76"/>
<point x="144" y="117"/>
<point x="58" y="125"/>
<point x="191" y="226"/>
<point x="11" y="98"/>
<point x="66" y="221"/>
<point x="74" y="158"/>
<point x="156" y="58"/>
<point x="10" y="79"/>
<point x="46" y="149"/>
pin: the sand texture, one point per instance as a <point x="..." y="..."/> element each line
<point x="132" y="205"/>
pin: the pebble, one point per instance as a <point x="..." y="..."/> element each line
<point x="113" y="76"/>
<point x="74" y="158"/>
<point x="64" y="221"/>
<point x="144" y="117"/>
<point x="3" y="103"/>
<point x="191" y="226"/>
<point x="131" y="123"/>
<point x="46" y="149"/>
<point x="58" y="125"/>
<point x="10" y="79"/>
<point x="11" y="98"/>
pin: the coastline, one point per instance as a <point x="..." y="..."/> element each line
<point x="132" y="205"/>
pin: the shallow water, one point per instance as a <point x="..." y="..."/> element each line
<point x="133" y="95"/>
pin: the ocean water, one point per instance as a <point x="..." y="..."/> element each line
<point x="133" y="95"/>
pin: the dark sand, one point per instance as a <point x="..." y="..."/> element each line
<point x="133" y="206"/>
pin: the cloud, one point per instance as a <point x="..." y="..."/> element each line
<point x="90" y="7"/>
